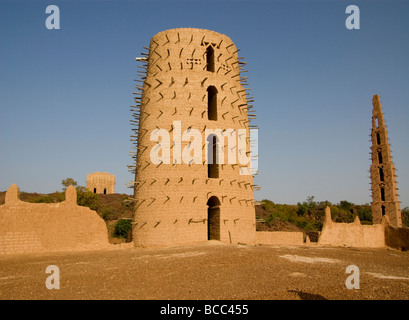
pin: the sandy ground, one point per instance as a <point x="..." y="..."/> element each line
<point x="208" y="271"/>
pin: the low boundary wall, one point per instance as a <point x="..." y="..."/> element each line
<point x="351" y="234"/>
<point x="39" y="227"/>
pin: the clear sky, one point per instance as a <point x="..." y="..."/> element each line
<point x="65" y="94"/>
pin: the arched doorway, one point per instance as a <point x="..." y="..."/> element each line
<point x="213" y="218"/>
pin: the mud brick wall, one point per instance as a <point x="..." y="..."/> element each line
<point x="351" y="234"/>
<point x="396" y="237"/>
<point x="40" y="227"/>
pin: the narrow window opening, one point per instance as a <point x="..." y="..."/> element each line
<point x="381" y="176"/>
<point x="212" y="166"/>
<point x="212" y="103"/>
<point x="377" y="122"/>
<point x="383" y="210"/>
<point x="105" y="191"/>
<point x="378" y="138"/>
<point x="380" y="157"/>
<point x="382" y="194"/>
<point x="210" y="59"/>
<point x="95" y="190"/>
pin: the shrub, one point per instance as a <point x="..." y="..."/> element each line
<point x="267" y="205"/>
<point x="41" y="199"/>
<point x="87" y="198"/>
<point x="306" y="223"/>
<point x="365" y="214"/>
<point x="68" y="182"/>
<point x="122" y="228"/>
<point x="341" y="215"/>
<point x="59" y="196"/>
<point x="270" y="219"/>
<point x="346" y="205"/>
<point x="107" y="213"/>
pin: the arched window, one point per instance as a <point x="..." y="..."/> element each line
<point x="210" y="59"/>
<point x="383" y="210"/>
<point x="212" y="103"/>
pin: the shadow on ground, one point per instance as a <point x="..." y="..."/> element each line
<point x="308" y="296"/>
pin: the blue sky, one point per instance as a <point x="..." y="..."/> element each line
<point x="65" y="94"/>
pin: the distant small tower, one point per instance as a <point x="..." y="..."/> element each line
<point x="101" y="182"/>
<point x="383" y="177"/>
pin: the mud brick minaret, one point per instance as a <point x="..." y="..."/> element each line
<point x="191" y="80"/>
<point x="383" y="177"/>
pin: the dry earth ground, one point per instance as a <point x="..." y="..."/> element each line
<point x="212" y="271"/>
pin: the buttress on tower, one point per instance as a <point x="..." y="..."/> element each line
<point x="383" y="177"/>
<point x="191" y="82"/>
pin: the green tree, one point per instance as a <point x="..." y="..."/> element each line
<point x="307" y="208"/>
<point x="311" y="203"/>
<point x="365" y="214"/>
<point x="346" y="205"/>
<point x="324" y="204"/>
<point x="267" y="205"/>
<point x="122" y="228"/>
<point x="87" y="198"/>
<point x="302" y="209"/>
<point x="339" y="214"/>
<point x="68" y="182"/>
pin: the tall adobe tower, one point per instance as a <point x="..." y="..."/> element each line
<point x="383" y="177"/>
<point x="191" y="83"/>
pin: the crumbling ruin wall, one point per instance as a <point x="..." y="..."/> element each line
<point x="351" y="234"/>
<point x="396" y="237"/>
<point x="39" y="227"/>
